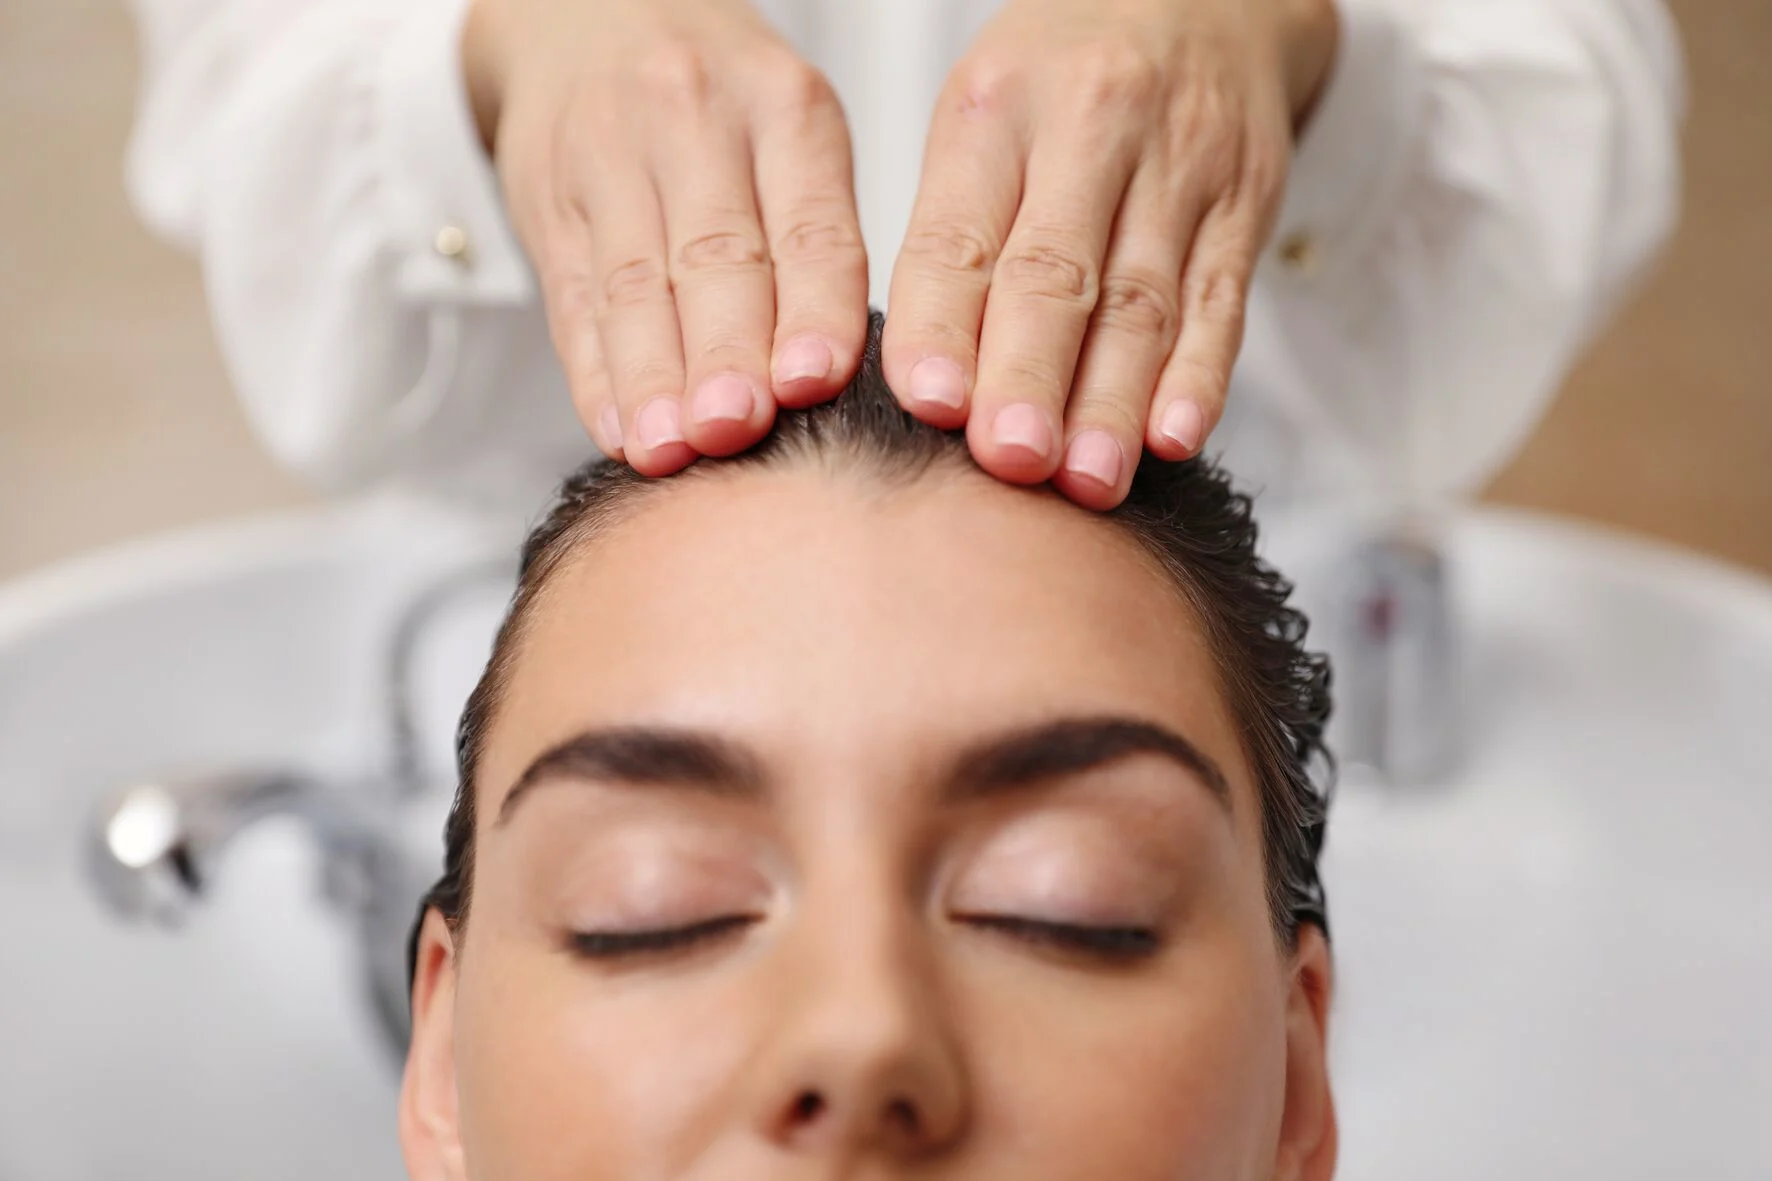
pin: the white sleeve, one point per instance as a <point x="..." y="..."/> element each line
<point x="1482" y="183"/>
<point x="372" y="305"/>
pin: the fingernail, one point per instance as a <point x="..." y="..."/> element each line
<point x="937" y="381"/>
<point x="658" y="423"/>
<point x="609" y="422"/>
<point x="1184" y="425"/>
<point x="803" y="359"/>
<point x="724" y="397"/>
<point x="1097" y="456"/>
<point x="1022" y="426"/>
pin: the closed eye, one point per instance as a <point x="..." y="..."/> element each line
<point x="1119" y="944"/>
<point x="612" y="945"/>
<point x="1113" y="944"/>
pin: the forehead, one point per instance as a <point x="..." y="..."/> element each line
<point x="833" y="619"/>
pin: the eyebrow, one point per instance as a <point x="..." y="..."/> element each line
<point x="680" y="758"/>
<point x="642" y="756"/>
<point x="1070" y="746"/>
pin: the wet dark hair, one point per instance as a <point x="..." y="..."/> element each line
<point x="1186" y="516"/>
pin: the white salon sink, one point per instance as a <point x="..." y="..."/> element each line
<point x="242" y="1047"/>
<point x="1550" y="969"/>
<point x="1554" y="965"/>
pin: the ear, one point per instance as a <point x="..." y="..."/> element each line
<point x="1308" y="1139"/>
<point x="430" y="1132"/>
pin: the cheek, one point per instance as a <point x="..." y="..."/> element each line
<point x="562" y="1076"/>
<point x="1178" y="1077"/>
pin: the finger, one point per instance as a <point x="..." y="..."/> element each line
<point x="806" y="193"/>
<point x="593" y="395"/>
<point x="1215" y="292"/>
<point x="720" y="271"/>
<point x="569" y="290"/>
<point x="1043" y="293"/>
<point x="1134" y="328"/>
<point x="638" y="333"/>
<point x="971" y="184"/>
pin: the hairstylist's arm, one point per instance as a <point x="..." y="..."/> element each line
<point x="682" y="182"/>
<point x="1099" y="182"/>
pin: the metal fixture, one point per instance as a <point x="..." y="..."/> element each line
<point x="154" y="850"/>
<point x="1392" y="638"/>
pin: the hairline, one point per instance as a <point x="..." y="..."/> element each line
<point x="634" y="492"/>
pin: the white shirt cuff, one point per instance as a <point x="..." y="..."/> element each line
<point x="455" y="242"/>
<point x="1349" y="163"/>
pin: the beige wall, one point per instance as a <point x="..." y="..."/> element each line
<point x="1667" y="428"/>
<point x="115" y="418"/>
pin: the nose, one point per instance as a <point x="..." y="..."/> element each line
<point x="864" y="1060"/>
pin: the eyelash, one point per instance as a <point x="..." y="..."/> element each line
<point x="610" y="945"/>
<point x="1116" y="944"/>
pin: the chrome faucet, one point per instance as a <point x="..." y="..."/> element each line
<point x="155" y="845"/>
<point x="154" y="848"/>
<point x="154" y="851"/>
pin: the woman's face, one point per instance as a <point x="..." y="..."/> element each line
<point x="865" y="833"/>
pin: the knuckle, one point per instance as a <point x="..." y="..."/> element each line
<point x="1051" y="270"/>
<point x="1141" y="304"/>
<point x="1031" y="376"/>
<point x="1113" y="75"/>
<point x="818" y="237"/>
<point x="795" y="86"/>
<point x="1200" y="381"/>
<point x="635" y="280"/>
<point x="571" y="300"/>
<point x="721" y="250"/>
<point x="565" y="201"/>
<point x="986" y="82"/>
<point x="1227" y="164"/>
<point x="945" y="337"/>
<point x="1220" y="300"/>
<point x="1213" y="160"/>
<point x="725" y="345"/>
<point x="641" y="379"/>
<point x="927" y="327"/>
<point x="952" y="247"/>
<point x="1206" y="133"/>
<point x="677" y="72"/>
<point x="1264" y="172"/>
<point x="1112" y="410"/>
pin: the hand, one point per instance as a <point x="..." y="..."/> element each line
<point x="682" y="182"/>
<point x="1099" y="181"/>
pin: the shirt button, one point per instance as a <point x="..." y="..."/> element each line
<point x="452" y="243"/>
<point x="1300" y="253"/>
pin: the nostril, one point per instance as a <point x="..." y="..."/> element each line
<point x="899" y="1120"/>
<point x="902" y="1115"/>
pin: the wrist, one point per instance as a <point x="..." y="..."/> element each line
<point x="1310" y="36"/>
<point x="482" y="78"/>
